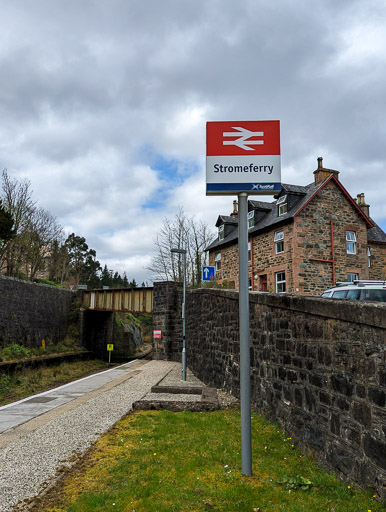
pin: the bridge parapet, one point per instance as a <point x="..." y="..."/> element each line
<point x="131" y="300"/>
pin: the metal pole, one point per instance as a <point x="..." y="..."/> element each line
<point x="183" y="252"/>
<point x="245" y="386"/>
<point x="183" y="320"/>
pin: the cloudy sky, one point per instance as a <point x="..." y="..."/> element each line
<point x="103" y="104"/>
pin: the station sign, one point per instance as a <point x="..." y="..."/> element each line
<point x="157" y="335"/>
<point x="243" y="156"/>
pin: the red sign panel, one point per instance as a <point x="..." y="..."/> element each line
<point x="157" y="335"/>
<point x="242" y="138"/>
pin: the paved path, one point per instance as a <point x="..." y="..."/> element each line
<point x="40" y="433"/>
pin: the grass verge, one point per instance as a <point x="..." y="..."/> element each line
<point x="157" y="461"/>
<point x="30" y="381"/>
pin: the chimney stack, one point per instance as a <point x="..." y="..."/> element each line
<point x="235" y="212"/>
<point x="322" y="173"/>
<point x="361" y="202"/>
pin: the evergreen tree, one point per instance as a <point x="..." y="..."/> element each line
<point x="7" y="230"/>
<point x="84" y="266"/>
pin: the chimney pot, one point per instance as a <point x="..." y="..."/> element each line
<point x="362" y="204"/>
<point x="322" y="173"/>
<point x="234" y="213"/>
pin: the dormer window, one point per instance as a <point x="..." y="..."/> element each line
<point x="251" y="219"/>
<point x="282" y="203"/>
<point x="221" y="232"/>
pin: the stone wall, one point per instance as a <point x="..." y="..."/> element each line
<point x="167" y="318"/>
<point x="378" y="260"/>
<point x="318" y="368"/>
<point x="314" y="241"/>
<point x="30" y="312"/>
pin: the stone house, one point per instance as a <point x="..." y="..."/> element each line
<point x="305" y="241"/>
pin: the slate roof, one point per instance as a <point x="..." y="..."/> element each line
<point x="226" y="219"/>
<point x="261" y="205"/>
<point x="376" y="234"/>
<point x="272" y="220"/>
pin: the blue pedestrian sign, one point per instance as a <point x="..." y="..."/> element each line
<point x="208" y="273"/>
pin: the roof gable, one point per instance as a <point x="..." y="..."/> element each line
<point x="345" y="193"/>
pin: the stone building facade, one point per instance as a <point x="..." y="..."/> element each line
<point x="304" y="242"/>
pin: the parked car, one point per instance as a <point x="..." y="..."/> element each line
<point x="358" y="290"/>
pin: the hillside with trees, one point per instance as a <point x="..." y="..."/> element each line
<point x="33" y="245"/>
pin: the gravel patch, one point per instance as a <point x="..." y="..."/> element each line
<point x="28" y="463"/>
<point x="226" y="400"/>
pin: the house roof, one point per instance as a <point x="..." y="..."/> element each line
<point x="261" y="205"/>
<point x="271" y="219"/>
<point x="226" y="219"/>
<point x="376" y="234"/>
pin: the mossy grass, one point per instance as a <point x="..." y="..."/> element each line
<point x="155" y="461"/>
<point x="18" y="352"/>
<point x="29" y="381"/>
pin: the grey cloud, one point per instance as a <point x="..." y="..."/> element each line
<point x="86" y="86"/>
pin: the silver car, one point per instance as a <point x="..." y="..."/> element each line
<point x="373" y="291"/>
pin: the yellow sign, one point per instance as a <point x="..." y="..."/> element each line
<point x="110" y="347"/>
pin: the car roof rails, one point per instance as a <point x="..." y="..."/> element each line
<point x="362" y="282"/>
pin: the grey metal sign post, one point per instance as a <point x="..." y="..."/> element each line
<point x="245" y="386"/>
<point x="243" y="157"/>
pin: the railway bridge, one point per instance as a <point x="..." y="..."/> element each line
<point x="98" y="319"/>
<point x="131" y="300"/>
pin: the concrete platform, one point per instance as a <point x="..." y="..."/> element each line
<point x="22" y="411"/>
<point x="173" y="394"/>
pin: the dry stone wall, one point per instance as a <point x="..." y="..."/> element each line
<point x="30" y="312"/>
<point x="318" y="368"/>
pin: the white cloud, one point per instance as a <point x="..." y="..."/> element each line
<point x="104" y="104"/>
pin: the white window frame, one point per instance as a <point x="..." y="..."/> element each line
<point x="251" y="219"/>
<point x="351" y="242"/>
<point x="368" y="257"/>
<point x="279" y="241"/>
<point x="352" y="276"/>
<point x="217" y="260"/>
<point x="221" y="232"/>
<point x="280" y="284"/>
<point x="283" y="205"/>
<point x="249" y="250"/>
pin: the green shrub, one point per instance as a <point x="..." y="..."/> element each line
<point x="5" y="385"/>
<point x="14" y="351"/>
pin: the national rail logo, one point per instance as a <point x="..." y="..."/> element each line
<point x="242" y="156"/>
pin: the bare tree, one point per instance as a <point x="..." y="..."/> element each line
<point x="35" y="229"/>
<point x="17" y="200"/>
<point x="38" y="237"/>
<point x="182" y="233"/>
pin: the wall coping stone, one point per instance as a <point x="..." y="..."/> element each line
<point x="15" y="279"/>
<point x="367" y="313"/>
